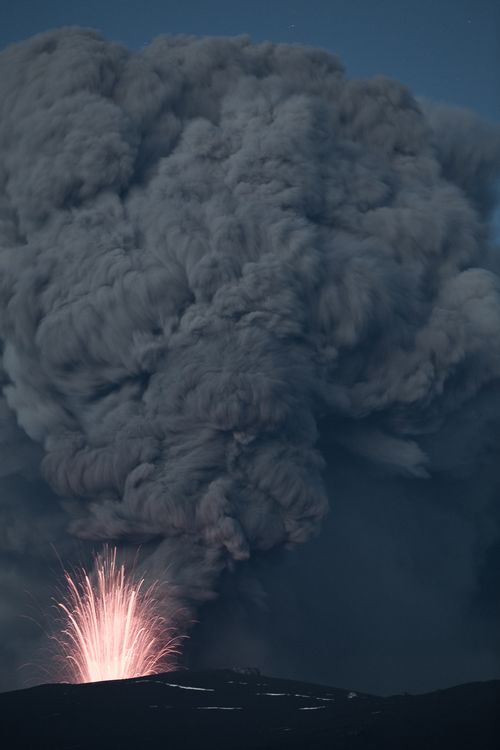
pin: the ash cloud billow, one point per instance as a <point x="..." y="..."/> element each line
<point x="207" y="249"/>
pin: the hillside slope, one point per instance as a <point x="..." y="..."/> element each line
<point x="232" y="710"/>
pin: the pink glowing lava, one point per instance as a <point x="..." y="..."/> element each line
<point x="112" y="629"/>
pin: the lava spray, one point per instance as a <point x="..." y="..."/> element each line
<point x="112" y="628"/>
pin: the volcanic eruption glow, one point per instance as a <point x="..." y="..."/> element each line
<point x="112" y="629"/>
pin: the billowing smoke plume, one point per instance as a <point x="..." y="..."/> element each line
<point x="208" y="248"/>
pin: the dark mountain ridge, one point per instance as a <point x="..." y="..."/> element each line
<point x="227" y="709"/>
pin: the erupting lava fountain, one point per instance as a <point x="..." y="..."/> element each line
<point x="112" y="629"/>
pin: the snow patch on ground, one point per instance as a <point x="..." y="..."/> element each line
<point x="275" y="694"/>
<point x="312" y="697"/>
<point x="190" y="687"/>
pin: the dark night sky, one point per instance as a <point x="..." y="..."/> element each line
<point x="447" y="50"/>
<point x="400" y="591"/>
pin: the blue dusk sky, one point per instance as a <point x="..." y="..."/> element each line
<point x="444" y="49"/>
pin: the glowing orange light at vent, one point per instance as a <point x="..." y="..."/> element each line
<point x="112" y="629"/>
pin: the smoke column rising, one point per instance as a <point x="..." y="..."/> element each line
<point x="206" y="248"/>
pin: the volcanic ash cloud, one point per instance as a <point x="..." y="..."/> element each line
<point x="208" y="246"/>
